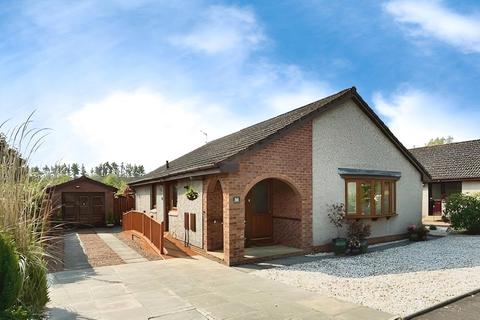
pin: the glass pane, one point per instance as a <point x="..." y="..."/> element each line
<point x="174" y="196"/>
<point x="378" y="197"/>
<point x="365" y="189"/>
<point x="352" y="197"/>
<point x="386" y="197"/>
<point x="259" y="198"/>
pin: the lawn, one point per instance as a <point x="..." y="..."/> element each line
<point x="398" y="280"/>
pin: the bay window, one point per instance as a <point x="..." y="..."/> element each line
<point x="370" y="197"/>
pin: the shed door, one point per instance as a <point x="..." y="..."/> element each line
<point x="86" y="208"/>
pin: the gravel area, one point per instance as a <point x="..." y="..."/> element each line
<point x="399" y="280"/>
<point x="98" y="252"/>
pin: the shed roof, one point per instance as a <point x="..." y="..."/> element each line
<point x="82" y="179"/>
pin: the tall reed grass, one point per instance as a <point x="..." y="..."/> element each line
<point x="23" y="213"/>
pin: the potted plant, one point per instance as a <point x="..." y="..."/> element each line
<point x="422" y="232"/>
<point x="191" y="193"/>
<point x="110" y="220"/>
<point x="417" y="233"/>
<point x="357" y="233"/>
<point x="412" y="232"/>
<point x="336" y="215"/>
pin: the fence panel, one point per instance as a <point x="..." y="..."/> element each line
<point x="151" y="230"/>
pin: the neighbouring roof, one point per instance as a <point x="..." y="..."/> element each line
<point x="452" y="161"/>
<point x="82" y="179"/>
<point x="216" y="152"/>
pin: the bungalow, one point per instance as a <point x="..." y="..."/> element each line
<point x="271" y="184"/>
<point x="454" y="167"/>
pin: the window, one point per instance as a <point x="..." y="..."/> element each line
<point x="370" y="197"/>
<point x="172" y="203"/>
<point x="153" y="197"/>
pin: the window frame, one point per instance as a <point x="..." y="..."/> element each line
<point x="358" y="180"/>
<point x="171" y="207"/>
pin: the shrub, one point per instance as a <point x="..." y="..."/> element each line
<point x="336" y="215"/>
<point x="10" y="273"/>
<point x="358" y="230"/>
<point x="463" y="210"/>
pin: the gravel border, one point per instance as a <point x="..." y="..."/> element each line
<point x="98" y="252"/>
<point x="399" y="280"/>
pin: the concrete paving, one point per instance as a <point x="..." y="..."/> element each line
<point x="188" y="288"/>
<point x="74" y="256"/>
<point x="126" y="253"/>
<point x="466" y="309"/>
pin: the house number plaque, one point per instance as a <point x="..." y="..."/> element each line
<point x="236" y="199"/>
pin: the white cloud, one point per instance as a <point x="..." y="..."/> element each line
<point x="146" y="127"/>
<point x="415" y="117"/>
<point x="430" y="18"/>
<point x="222" y="29"/>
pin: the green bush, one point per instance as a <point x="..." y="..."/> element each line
<point x="463" y="210"/>
<point x="10" y="273"/>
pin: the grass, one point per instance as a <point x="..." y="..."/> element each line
<point x="25" y="211"/>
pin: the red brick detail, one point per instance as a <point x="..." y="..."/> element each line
<point x="214" y="218"/>
<point x="288" y="158"/>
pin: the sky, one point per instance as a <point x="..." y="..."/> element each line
<point x="140" y="80"/>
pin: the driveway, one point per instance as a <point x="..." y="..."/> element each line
<point x="188" y="288"/>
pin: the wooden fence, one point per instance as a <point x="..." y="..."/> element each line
<point x="147" y="227"/>
<point x="122" y="204"/>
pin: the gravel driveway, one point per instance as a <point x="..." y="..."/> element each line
<point x="399" y="280"/>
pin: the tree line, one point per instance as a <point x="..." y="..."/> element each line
<point x="74" y="170"/>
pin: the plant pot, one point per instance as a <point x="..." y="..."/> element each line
<point x="339" y="246"/>
<point x="363" y="246"/>
<point x="413" y="237"/>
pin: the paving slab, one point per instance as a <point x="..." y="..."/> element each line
<point x="188" y="289"/>
<point x="74" y="255"/>
<point x="126" y="253"/>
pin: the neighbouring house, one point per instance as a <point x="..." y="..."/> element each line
<point x="454" y="168"/>
<point x="82" y="201"/>
<point x="265" y="190"/>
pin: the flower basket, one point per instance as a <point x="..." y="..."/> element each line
<point x="191" y="193"/>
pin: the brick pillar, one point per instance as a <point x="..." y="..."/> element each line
<point x="234" y="226"/>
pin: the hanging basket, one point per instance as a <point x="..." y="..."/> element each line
<point x="191" y="193"/>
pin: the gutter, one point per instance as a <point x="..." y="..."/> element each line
<point x="177" y="176"/>
<point x="441" y="304"/>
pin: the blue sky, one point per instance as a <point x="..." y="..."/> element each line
<point x="136" y="80"/>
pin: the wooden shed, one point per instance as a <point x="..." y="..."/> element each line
<point x="82" y="201"/>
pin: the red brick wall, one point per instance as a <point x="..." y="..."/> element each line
<point x="287" y="157"/>
<point x="214" y="218"/>
<point x="287" y="223"/>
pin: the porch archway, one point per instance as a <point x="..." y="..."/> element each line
<point x="273" y="213"/>
<point x="214" y="217"/>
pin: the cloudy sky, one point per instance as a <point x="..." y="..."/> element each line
<point x="138" y="80"/>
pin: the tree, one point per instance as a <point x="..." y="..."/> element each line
<point x="439" y="141"/>
<point x="83" y="172"/>
<point x="75" y="170"/>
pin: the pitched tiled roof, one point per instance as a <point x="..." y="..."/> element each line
<point x="459" y="160"/>
<point x="210" y="155"/>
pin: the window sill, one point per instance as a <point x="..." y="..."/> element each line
<point x="173" y="212"/>
<point x="371" y="217"/>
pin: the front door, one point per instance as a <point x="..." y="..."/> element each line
<point x="258" y="213"/>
